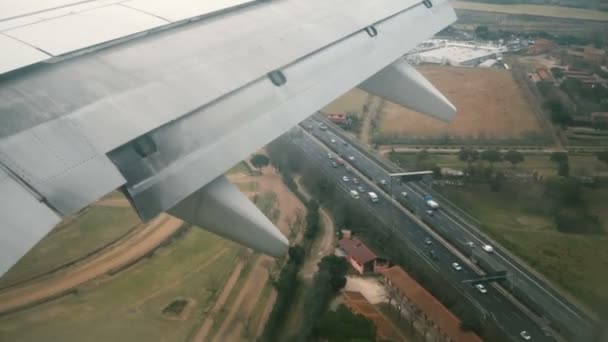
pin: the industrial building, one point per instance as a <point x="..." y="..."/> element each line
<point x="456" y="53"/>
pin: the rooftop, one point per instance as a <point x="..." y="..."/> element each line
<point x="457" y="53"/>
<point x="357" y="250"/>
<point x="434" y="310"/>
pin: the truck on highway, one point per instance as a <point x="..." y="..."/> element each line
<point x="372" y="196"/>
<point x="431" y="203"/>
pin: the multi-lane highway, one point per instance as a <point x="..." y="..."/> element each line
<point x="461" y="231"/>
<point x="414" y="233"/>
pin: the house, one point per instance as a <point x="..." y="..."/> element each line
<point x="599" y="117"/>
<point x="338" y="118"/>
<point x="541" y="46"/>
<point x="434" y="313"/>
<point x="361" y="257"/>
<point x="544" y="75"/>
<point x="593" y="55"/>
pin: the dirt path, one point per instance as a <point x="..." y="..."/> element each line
<point x="323" y="245"/>
<point x="237" y="323"/>
<point x="221" y="300"/>
<point x="132" y="248"/>
<point x="113" y="202"/>
<point x="372" y="108"/>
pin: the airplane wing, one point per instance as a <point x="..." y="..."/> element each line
<point x="159" y="98"/>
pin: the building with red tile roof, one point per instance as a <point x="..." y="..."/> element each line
<point x="447" y="323"/>
<point x="360" y="256"/>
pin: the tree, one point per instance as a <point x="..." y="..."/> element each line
<point x="297" y="254"/>
<point x="563" y="169"/>
<point x="468" y="156"/>
<point x="491" y="156"/>
<point x="496" y="183"/>
<point x="559" y="157"/>
<point x="259" y="161"/>
<point x="343" y="326"/>
<point x="602" y="156"/>
<point x="421" y="156"/>
<point x="514" y="157"/>
<point x="557" y="72"/>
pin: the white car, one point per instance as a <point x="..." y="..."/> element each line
<point x="333" y="140"/>
<point x="345" y="179"/>
<point x="383" y="182"/>
<point x="456" y="266"/>
<point x="430" y="212"/>
<point x="355" y="194"/>
<point x="361" y="189"/>
<point x="355" y="180"/>
<point x="351" y="158"/>
<point x="428" y="241"/>
<point x="471" y="244"/>
<point x="488" y="248"/>
<point x="481" y="288"/>
<point x="404" y="194"/>
<point x="525" y="335"/>
<point x="330" y="156"/>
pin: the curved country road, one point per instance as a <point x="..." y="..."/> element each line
<point x="120" y="254"/>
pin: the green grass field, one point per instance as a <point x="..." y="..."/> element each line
<point x="514" y="217"/>
<point x="129" y="306"/>
<point x="94" y="228"/>
<point x="538" y="10"/>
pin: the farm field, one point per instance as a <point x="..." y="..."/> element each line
<point x="351" y="102"/>
<point x="512" y="216"/>
<point x="128" y="307"/>
<point x="537" y="10"/>
<point x="73" y="239"/>
<point x="489" y="105"/>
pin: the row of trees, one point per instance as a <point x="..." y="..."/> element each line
<point x="286" y="287"/>
<point x="470" y="156"/>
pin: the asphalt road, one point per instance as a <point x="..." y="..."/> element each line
<point x="458" y="229"/>
<point x="512" y="319"/>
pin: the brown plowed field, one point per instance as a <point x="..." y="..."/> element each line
<point x="489" y="103"/>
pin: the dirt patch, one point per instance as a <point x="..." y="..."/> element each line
<point x="489" y="104"/>
<point x="370" y="288"/>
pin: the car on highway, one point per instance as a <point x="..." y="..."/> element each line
<point x="355" y="194"/>
<point x="433" y="254"/>
<point x="355" y="180"/>
<point x="456" y="266"/>
<point x="351" y="158"/>
<point x="471" y="244"/>
<point x="488" y="248"/>
<point x="361" y="189"/>
<point x="345" y="178"/>
<point x="403" y="194"/>
<point x="345" y="143"/>
<point x="428" y="241"/>
<point x="383" y="181"/>
<point x="330" y="155"/>
<point x="348" y="169"/>
<point x="481" y="288"/>
<point x="322" y="126"/>
<point x="430" y="212"/>
<point x="525" y="335"/>
<point x="333" y="140"/>
<point x="334" y="164"/>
